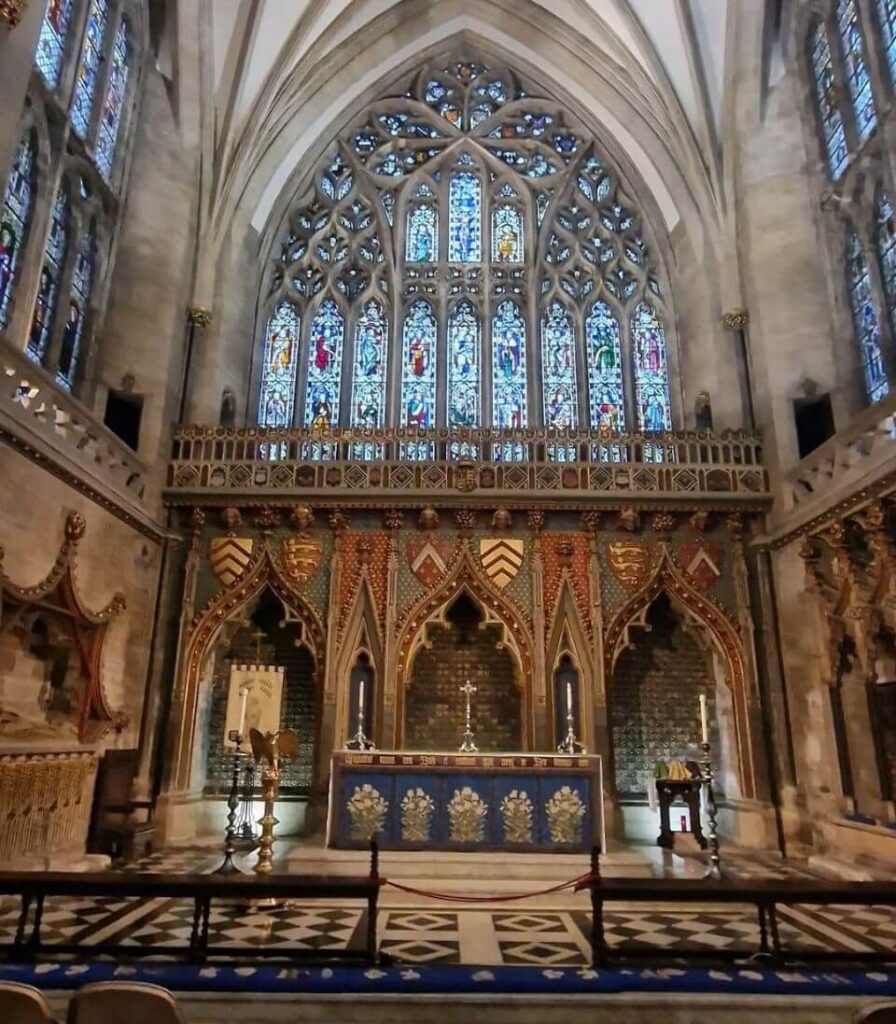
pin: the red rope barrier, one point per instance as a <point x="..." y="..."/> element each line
<point x="576" y="883"/>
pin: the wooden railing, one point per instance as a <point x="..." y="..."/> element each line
<point x="390" y="463"/>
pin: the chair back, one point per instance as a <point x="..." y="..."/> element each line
<point x="127" y="1002"/>
<point x="877" y="1013"/>
<point x="23" y="1004"/>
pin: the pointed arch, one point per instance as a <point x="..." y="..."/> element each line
<point x="723" y="633"/>
<point x="360" y="633"/>
<point x="264" y="572"/>
<point x="464" y="575"/>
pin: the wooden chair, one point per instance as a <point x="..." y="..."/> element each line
<point x="113" y="830"/>
<point x="877" y="1013"/>
<point x="23" y="1004"/>
<point x="125" y="1002"/>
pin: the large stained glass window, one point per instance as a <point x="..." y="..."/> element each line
<point x="369" y="377"/>
<point x="465" y="219"/>
<point x="828" y="103"/>
<point x="886" y="247"/>
<point x="558" y="359"/>
<point x="418" y="376"/>
<point x="509" y="380"/>
<point x="464" y="373"/>
<point x="91" y="55"/>
<point x="15" y="218"/>
<point x="605" y="382"/>
<point x="51" y="44"/>
<point x="651" y="370"/>
<point x="422" y="234"/>
<point x="78" y="303"/>
<point x="48" y="286"/>
<point x="857" y="80"/>
<point x="278" y="372"/>
<point x="864" y="315"/>
<point x="113" y="103"/>
<point x="325" y="341"/>
<point x="507" y="234"/>
<point x="886" y="12"/>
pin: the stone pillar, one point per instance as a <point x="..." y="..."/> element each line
<point x="17" y="47"/>
<point x="328" y="725"/>
<point x="390" y="728"/>
<point x="541" y="726"/>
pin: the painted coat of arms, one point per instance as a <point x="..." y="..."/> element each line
<point x="502" y="559"/>
<point x="701" y="561"/>
<point x="230" y="557"/>
<point x="629" y="561"/>
<point x="301" y="557"/>
<point x="428" y="559"/>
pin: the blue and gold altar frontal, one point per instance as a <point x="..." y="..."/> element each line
<point x="523" y="802"/>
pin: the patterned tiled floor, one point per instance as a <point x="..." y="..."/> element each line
<point x="428" y="933"/>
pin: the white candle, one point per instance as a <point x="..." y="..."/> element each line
<point x="244" y="693"/>
<point x="361" y="696"/>
<point x="569" y="698"/>
<point x="704" y="720"/>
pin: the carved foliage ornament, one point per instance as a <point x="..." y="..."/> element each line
<point x="11" y="12"/>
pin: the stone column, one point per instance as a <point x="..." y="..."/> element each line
<point x="389" y="730"/>
<point x="17" y="46"/>
<point x="541" y="726"/>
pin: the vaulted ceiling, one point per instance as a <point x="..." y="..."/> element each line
<point x="668" y="58"/>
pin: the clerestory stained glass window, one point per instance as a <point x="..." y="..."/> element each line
<point x="450" y="261"/>
<point x="886" y="13"/>
<point x="605" y="383"/>
<point x="51" y="44"/>
<point x="886" y="247"/>
<point x="857" y="80"/>
<point x="78" y="304"/>
<point x="865" y="320"/>
<point x="322" y="389"/>
<point x="88" y="68"/>
<point x="651" y="370"/>
<point x="15" y="220"/>
<point x="279" y="366"/>
<point x="828" y="103"/>
<point x="46" y="302"/>
<point x="113" y="103"/>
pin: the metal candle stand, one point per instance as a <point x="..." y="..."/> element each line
<point x="468" y="746"/>
<point x="227" y="866"/>
<point x="360" y="741"/>
<point x="570" y="744"/>
<point x="715" y="861"/>
<point x="245" y="826"/>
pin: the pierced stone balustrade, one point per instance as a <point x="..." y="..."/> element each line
<point x="373" y="467"/>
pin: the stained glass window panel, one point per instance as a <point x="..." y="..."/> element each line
<point x="369" y="377"/>
<point x="464" y="373"/>
<point x="418" y="376"/>
<point x="509" y="377"/>
<point x="507" y="234"/>
<point x="651" y="370"/>
<point x="857" y="79"/>
<point x="865" y="319"/>
<point x="561" y="407"/>
<point x="605" y="386"/>
<point x="78" y="303"/>
<point x="278" y="373"/>
<point x="51" y="44"/>
<point x="423" y="234"/>
<point x="465" y="219"/>
<point x="113" y="104"/>
<point x="48" y="286"/>
<point x="14" y="221"/>
<point x="886" y="12"/>
<point x="91" y="54"/>
<point x="325" y="342"/>
<point x="827" y="103"/>
<point x="886" y="244"/>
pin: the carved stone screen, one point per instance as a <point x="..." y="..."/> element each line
<point x="434" y="706"/>
<point x="655" y="698"/>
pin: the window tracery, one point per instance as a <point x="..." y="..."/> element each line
<point x="484" y="226"/>
<point x="48" y="289"/>
<point x="15" y="221"/>
<point x="52" y="42"/>
<point x="886" y="13"/>
<point x="865" y="318"/>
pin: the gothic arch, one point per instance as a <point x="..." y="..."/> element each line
<point x="360" y="633"/>
<point x="725" y="637"/>
<point x="464" y="576"/>
<point x="265" y="572"/>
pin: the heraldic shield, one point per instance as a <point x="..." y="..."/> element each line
<point x="629" y="562"/>
<point x="701" y="561"/>
<point x="428" y="559"/>
<point x="230" y="557"/>
<point x="501" y="559"/>
<point x="301" y="557"/>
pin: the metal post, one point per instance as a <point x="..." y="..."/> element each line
<point x="715" y="861"/>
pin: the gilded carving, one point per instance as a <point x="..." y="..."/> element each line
<point x="629" y="561"/>
<point x="663" y="522"/>
<point x="199" y="316"/>
<point x="535" y="520"/>
<point x="465" y="519"/>
<point x="393" y="519"/>
<point x="267" y="517"/>
<point x="11" y="12"/>
<point x="502" y="519"/>
<point x="591" y="520"/>
<point x="465" y="477"/>
<point x="231" y="519"/>
<point x="301" y="517"/>
<point x="629" y="519"/>
<point x="735" y="319"/>
<point x="428" y="519"/>
<point x="75" y="525"/>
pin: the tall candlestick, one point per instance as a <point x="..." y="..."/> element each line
<point x="704" y="720"/>
<point x="569" y="698"/>
<point x="244" y="694"/>
<point x="361" y="697"/>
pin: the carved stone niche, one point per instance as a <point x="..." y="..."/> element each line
<point x="51" y="647"/>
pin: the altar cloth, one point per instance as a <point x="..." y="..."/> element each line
<point x="440" y="801"/>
